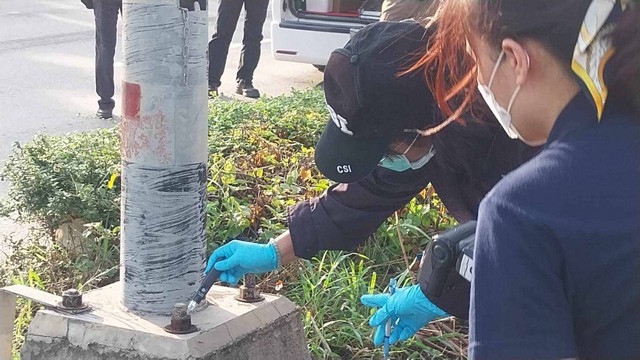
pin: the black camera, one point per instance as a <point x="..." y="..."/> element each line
<point x="447" y="267"/>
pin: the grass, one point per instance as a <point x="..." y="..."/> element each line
<point x="329" y="287"/>
<point x="50" y="267"/>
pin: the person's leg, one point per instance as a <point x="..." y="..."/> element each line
<point x="250" y="55"/>
<point x="228" y="14"/>
<point x="106" y="17"/>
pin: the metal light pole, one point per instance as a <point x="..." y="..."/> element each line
<point x="164" y="152"/>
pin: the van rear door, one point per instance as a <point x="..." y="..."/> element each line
<point x="308" y="31"/>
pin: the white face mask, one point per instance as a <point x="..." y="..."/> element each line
<point x="503" y="115"/>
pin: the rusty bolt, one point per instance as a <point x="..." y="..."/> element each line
<point x="249" y="292"/>
<point x="179" y="311"/>
<point x="180" y="320"/>
<point x="250" y="280"/>
<point x="72" y="299"/>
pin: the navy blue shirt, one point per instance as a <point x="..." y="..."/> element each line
<point x="557" y="257"/>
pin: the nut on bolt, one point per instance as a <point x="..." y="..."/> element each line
<point x="72" y="299"/>
<point x="180" y="321"/>
<point x="249" y="292"/>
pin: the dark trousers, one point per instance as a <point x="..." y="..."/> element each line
<point x="228" y="15"/>
<point x="106" y="14"/>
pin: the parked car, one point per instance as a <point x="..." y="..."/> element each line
<point x="307" y="31"/>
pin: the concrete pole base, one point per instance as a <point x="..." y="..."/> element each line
<point x="227" y="329"/>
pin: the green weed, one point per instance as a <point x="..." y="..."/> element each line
<point x="55" y="179"/>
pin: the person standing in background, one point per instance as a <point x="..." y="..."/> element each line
<point x="106" y="17"/>
<point x="228" y="15"/>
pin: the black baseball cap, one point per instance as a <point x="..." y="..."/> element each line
<point x="369" y="101"/>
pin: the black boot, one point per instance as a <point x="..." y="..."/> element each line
<point x="105" y="108"/>
<point x="246" y="89"/>
<point x="105" y="113"/>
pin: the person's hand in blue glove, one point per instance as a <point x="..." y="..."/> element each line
<point x="240" y="257"/>
<point x="408" y="308"/>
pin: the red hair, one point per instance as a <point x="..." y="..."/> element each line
<point x="449" y="70"/>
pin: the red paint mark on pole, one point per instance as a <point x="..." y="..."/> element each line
<point x="131" y="100"/>
<point x="146" y="138"/>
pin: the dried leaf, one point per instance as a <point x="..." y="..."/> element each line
<point x="305" y="174"/>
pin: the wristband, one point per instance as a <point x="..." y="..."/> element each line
<point x="277" y="251"/>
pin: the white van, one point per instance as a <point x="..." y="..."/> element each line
<point x="307" y="31"/>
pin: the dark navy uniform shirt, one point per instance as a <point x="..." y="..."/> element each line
<point x="557" y="257"/>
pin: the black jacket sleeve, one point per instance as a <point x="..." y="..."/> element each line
<point x="347" y="214"/>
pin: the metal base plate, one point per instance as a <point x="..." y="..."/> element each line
<point x="50" y="301"/>
<point x="261" y="298"/>
<point x="170" y="330"/>
<point x="73" y="311"/>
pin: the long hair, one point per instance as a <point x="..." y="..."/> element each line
<point x="450" y="73"/>
<point x="449" y="70"/>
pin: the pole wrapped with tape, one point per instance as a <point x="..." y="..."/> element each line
<point x="164" y="152"/>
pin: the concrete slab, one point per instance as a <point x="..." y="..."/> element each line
<point x="227" y="329"/>
<point x="7" y="318"/>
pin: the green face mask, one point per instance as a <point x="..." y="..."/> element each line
<point x="400" y="163"/>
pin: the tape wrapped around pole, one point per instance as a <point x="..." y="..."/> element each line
<point x="164" y="152"/>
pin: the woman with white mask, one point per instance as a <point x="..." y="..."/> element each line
<point x="557" y="252"/>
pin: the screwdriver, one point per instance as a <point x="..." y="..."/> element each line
<point x="204" y="288"/>
<point x="388" y="325"/>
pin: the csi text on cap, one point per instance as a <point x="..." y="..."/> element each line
<point x="343" y="169"/>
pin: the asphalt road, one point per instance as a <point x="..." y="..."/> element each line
<point x="47" y="71"/>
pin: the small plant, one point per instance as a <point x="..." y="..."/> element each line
<point x="26" y="307"/>
<point x="260" y="162"/>
<point x="56" y="179"/>
<point x="328" y="289"/>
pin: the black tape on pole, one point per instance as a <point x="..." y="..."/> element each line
<point x="162" y="234"/>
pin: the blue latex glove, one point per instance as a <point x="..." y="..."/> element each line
<point x="408" y="309"/>
<point x="240" y="257"/>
